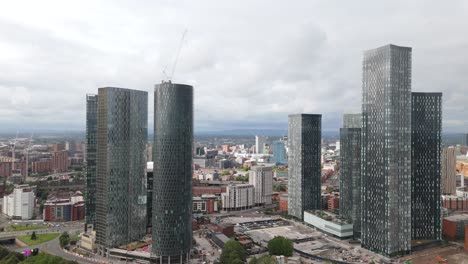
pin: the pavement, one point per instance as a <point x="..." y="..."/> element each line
<point x="207" y="248"/>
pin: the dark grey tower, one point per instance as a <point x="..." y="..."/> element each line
<point x="426" y="123"/>
<point x="172" y="184"/>
<point x="304" y="141"/>
<point x="91" y="140"/>
<point x="350" y="171"/>
<point x="121" y="191"/>
<point x="386" y="150"/>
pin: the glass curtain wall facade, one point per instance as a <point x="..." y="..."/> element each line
<point x="279" y="153"/>
<point x="304" y="160"/>
<point x="172" y="174"/>
<point x="91" y="140"/>
<point x="426" y="123"/>
<point x="121" y="165"/>
<point x="386" y="150"/>
<point x="350" y="171"/>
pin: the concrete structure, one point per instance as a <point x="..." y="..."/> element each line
<point x="386" y="150"/>
<point x="172" y="184"/>
<point x="426" y="129"/>
<point x="260" y="144"/>
<point x="91" y="157"/>
<point x="350" y="171"/>
<point x="122" y="133"/>
<point x="328" y="224"/>
<point x="238" y="197"/>
<point x="449" y="173"/>
<point x="88" y="241"/>
<point x="204" y="162"/>
<point x="20" y="203"/>
<point x="304" y="176"/>
<point x="279" y="153"/>
<point x="262" y="179"/>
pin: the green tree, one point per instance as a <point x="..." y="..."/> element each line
<point x="280" y="245"/>
<point x="232" y="253"/>
<point x="33" y="236"/>
<point x="64" y="239"/>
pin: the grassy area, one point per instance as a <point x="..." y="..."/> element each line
<point x="24" y="227"/>
<point x="41" y="238"/>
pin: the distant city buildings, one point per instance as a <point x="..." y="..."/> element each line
<point x="350" y="171"/>
<point x="62" y="209"/>
<point x="279" y="153"/>
<point x="449" y="173"/>
<point x="120" y="181"/>
<point x="20" y="203"/>
<point x="260" y="144"/>
<point x="172" y="179"/>
<point x="304" y="176"/>
<point x="386" y="150"/>
<point x="238" y="197"/>
<point x="261" y="177"/>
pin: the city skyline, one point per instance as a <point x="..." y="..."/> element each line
<point x="311" y="67"/>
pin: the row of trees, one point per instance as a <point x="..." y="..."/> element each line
<point x="234" y="253"/>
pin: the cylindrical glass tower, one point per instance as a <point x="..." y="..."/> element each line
<point x="172" y="182"/>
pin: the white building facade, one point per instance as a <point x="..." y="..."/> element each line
<point x="238" y="197"/>
<point x="259" y="144"/>
<point x="261" y="177"/>
<point x="20" y="203"/>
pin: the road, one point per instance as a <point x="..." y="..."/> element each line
<point x="70" y="227"/>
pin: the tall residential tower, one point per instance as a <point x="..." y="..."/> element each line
<point x="426" y="123"/>
<point x="122" y="133"/>
<point x="172" y="172"/>
<point x="386" y="150"/>
<point x="304" y="144"/>
<point x="91" y="140"/>
<point x="350" y="171"/>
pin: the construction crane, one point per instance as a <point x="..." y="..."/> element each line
<point x="176" y="59"/>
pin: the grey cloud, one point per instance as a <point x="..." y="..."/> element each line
<point x="252" y="62"/>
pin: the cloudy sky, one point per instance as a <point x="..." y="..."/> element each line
<point x="251" y="62"/>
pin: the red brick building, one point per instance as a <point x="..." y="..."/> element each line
<point x="206" y="204"/>
<point x="200" y="190"/>
<point x="283" y="202"/>
<point x="59" y="209"/>
<point x="333" y="203"/>
<point x="42" y="166"/>
<point x="453" y="227"/>
<point x="60" y="161"/>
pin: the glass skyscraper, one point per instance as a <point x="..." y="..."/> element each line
<point x="122" y="133"/>
<point x="426" y="123"/>
<point x="279" y="153"/>
<point x="172" y="174"/>
<point x="304" y="180"/>
<point x="91" y="140"/>
<point x="386" y="150"/>
<point x="350" y="171"/>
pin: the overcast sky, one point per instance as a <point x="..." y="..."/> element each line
<point x="251" y="62"/>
